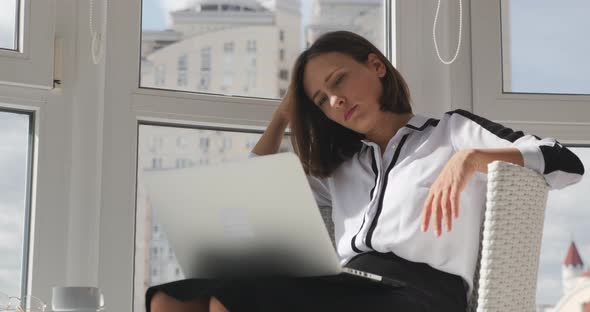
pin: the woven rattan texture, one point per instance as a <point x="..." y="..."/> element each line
<point x="512" y="232"/>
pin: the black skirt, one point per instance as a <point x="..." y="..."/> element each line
<point x="426" y="289"/>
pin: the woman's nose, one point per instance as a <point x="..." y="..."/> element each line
<point x="336" y="101"/>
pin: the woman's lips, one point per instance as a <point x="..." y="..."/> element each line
<point x="349" y="113"/>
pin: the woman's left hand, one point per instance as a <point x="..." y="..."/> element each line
<point x="442" y="202"/>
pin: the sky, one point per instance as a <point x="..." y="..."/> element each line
<point x="547" y="54"/>
<point x="7" y="23"/>
<point x="14" y="130"/>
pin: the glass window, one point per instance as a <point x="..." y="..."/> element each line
<point x="237" y="41"/>
<point x="545" y="46"/>
<point x="160" y="75"/>
<point x="9" y="24"/>
<point x="566" y="227"/>
<point x="15" y="183"/>
<point x="203" y="147"/>
<point x="228" y="65"/>
<point x="182" y="79"/>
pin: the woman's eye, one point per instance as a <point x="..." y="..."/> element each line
<point x="322" y="101"/>
<point x="339" y="80"/>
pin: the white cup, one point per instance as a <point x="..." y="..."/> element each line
<point x="76" y="298"/>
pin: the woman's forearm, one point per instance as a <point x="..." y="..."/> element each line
<point x="271" y="139"/>
<point x="482" y="157"/>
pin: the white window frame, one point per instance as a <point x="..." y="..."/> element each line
<point x="25" y="82"/>
<point x="126" y="105"/>
<point x="565" y="117"/>
<point x="47" y="250"/>
<point x="31" y="65"/>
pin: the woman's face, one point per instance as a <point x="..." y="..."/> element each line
<point x="346" y="91"/>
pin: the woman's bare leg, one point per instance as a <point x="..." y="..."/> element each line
<point x="216" y="306"/>
<point x="161" y="302"/>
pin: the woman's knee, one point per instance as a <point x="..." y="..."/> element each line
<point x="216" y="306"/>
<point x="161" y="302"/>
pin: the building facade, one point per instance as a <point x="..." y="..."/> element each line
<point x="236" y="47"/>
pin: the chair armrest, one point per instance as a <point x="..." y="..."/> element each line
<point x="511" y="243"/>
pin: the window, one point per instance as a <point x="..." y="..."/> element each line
<point x="9" y="24"/>
<point x="220" y="31"/>
<point x="229" y="146"/>
<point x="251" y="46"/>
<point x="284" y="74"/>
<point x="182" y="71"/>
<point x="228" y="68"/>
<point x="15" y="185"/>
<point x="27" y="32"/>
<point x="162" y="32"/>
<point x="544" y="46"/>
<point x="527" y="84"/>
<point x="205" y="68"/>
<point x="160" y="75"/>
<point x="566" y="224"/>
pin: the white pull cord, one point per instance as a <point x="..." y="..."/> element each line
<point x="460" y="30"/>
<point x="97" y="47"/>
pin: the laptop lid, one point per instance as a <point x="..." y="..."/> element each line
<point x="255" y="216"/>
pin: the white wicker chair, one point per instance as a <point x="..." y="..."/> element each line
<point x="506" y="278"/>
<point x="511" y="240"/>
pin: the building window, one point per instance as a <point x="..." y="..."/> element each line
<point x="281" y="54"/>
<point x="251" y="46"/>
<point x="205" y="68"/>
<point x="204" y="144"/>
<point x="282" y="35"/>
<point x="160" y="75"/>
<point x="284" y="74"/>
<point x="228" y="58"/>
<point x="181" y="142"/>
<point x="250" y="82"/>
<point x="182" y="79"/>
<point x="156" y="163"/>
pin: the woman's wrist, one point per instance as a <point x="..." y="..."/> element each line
<point x="480" y="158"/>
<point x="280" y="120"/>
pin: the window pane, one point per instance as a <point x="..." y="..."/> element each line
<point x="8" y="24"/>
<point x="171" y="148"/>
<point x="15" y="149"/>
<point x="545" y="46"/>
<point x="244" y="47"/>
<point x="566" y="223"/>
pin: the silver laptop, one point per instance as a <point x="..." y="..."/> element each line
<point x="255" y="217"/>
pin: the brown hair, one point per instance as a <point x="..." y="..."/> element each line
<point x="322" y="144"/>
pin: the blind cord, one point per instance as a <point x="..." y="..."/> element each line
<point x="460" y="31"/>
<point x="97" y="47"/>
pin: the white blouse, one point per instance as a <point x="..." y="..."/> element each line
<point x="377" y="200"/>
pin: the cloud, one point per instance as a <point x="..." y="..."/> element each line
<point x="10" y="282"/>
<point x="551" y="288"/>
<point x="168" y="6"/>
<point x="14" y="133"/>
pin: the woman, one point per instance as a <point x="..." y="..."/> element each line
<point x="390" y="176"/>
